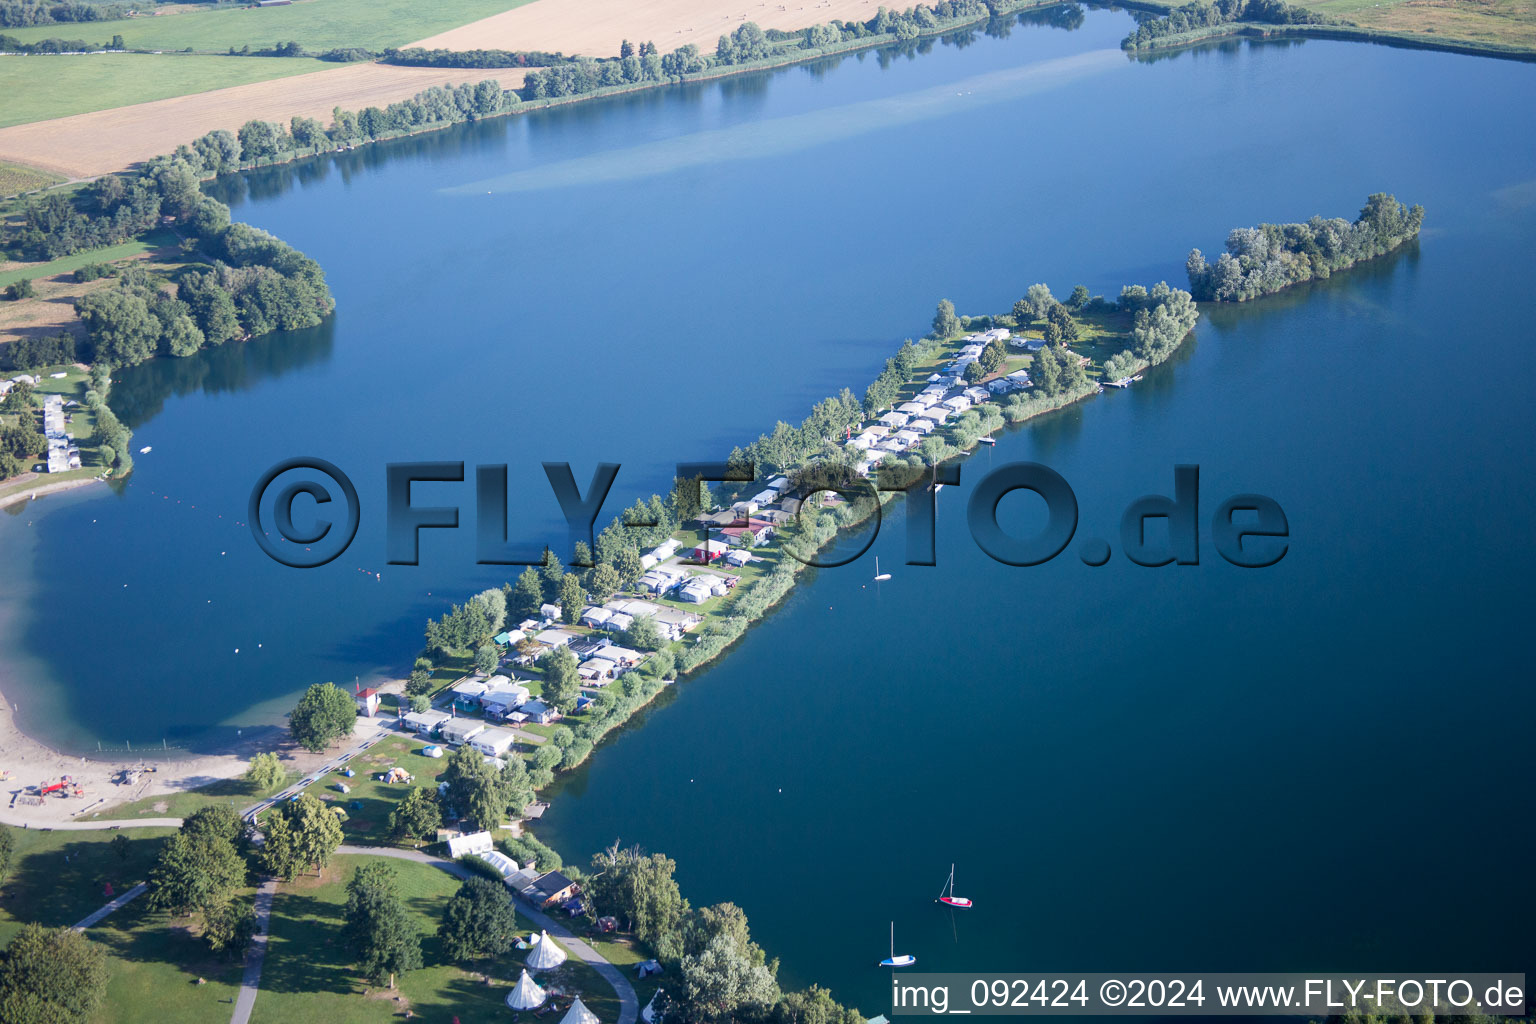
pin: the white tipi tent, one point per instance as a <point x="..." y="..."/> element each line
<point x="579" y="1014"/>
<point x="546" y="955"/>
<point x="525" y="995"/>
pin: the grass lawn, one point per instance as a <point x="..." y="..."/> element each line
<point x="369" y="823"/>
<point x="40" y="87"/>
<point x="155" y="965"/>
<point x="237" y="792"/>
<point x="155" y="961"/>
<point x="315" y="24"/>
<point x="15" y="179"/>
<point x="308" y="975"/>
<point x="57" y="878"/>
<point x="160" y="238"/>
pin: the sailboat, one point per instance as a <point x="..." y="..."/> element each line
<point x="947" y="894"/>
<point x="880" y="576"/>
<point x="905" y="960"/>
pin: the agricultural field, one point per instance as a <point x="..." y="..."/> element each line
<point x="40" y="87"/>
<point x="316" y="25"/>
<point x="15" y="179"/>
<point x="1509" y="22"/>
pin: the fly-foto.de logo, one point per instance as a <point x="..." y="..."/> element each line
<point x="1247" y="530"/>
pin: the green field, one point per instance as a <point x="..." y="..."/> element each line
<point x="42" y="87"/>
<point x="158" y="239"/>
<point x="369" y="823"/>
<point x="315" y="24"/>
<point x="308" y="976"/>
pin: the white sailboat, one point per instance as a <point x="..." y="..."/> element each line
<point x="880" y="577"/>
<point x="947" y="894"/>
<point x="904" y="960"/>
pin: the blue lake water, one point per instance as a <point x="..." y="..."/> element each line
<point x="1319" y="765"/>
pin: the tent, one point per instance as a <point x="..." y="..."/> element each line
<point x="546" y="955"/>
<point x="525" y="995"/>
<point x="579" y="1014"/>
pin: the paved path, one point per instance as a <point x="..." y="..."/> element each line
<point x="255" y="954"/>
<point x="629" y="1004"/>
<point x="117" y="904"/>
<point x="88" y="826"/>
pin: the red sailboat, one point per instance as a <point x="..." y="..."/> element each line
<point x="947" y="894"/>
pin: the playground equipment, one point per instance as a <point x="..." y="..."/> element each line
<point x="65" y="787"/>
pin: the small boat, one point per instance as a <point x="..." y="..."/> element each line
<point x="880" y="576"/>
<point x="146" y="449"/>
<point x="987" y="440"/>
<point x="904" y="960"/>
<point x="947" y="894"/>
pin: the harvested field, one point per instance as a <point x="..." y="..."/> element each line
<point x="598" y="26"/>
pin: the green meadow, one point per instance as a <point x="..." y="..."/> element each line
<point x="40" y="87"/>
<point x="315" y="24"/>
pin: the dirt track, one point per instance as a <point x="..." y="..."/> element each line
<point x="85" y="145"/>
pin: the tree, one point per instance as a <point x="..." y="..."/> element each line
<point x="51" y="976"/>
<point x="264" y="772"/>
<point x="640" y="889"/>
<point x="527" y="595"/>
<point x="562" y="684"/>
<point x="551" y="572"/>
<point x="302" y="832"/>
<point x="420" y="702"/>
<point x="19" y="398"/>
<point x="419" y="684"/>
<point x="604" y="582"/>
<point x="200" y="871"/>
<point x="325" y="713"/>
<point x="122" y="846"/>
<point x="416" y="816"/>
<point x="494" y="604"/>
<point x="1066" y="327"/>
<point x="1023" y="313"/>
<point x="476" y="790"/>
<point x="1040" y="299"/>
<point x="572" y="599"/>
<point x="485" y="658"/>
<point x="121" y="327"/>
<point x="945" y="323"/>
<point x="378" y="930"/>
<point x="1079" y="298"/>
<point x="973" y="373"/>
<point x="1045" y="371"/>
<point x="478" y="921"/>
<point x="721" y="983"/>
<point x="19" y="289"/>
<point x="642" y="634"/>
<point x="629" y="567"/>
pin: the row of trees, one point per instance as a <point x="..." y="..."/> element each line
<point x="1201" y="15"/>
<point x="1265" y="259"/>
<point x="416" y="57"/>
<point x="50" y="350"/>
<point x="12" y="44"/>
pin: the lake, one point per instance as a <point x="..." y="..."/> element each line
<point x="1316" y="765"/>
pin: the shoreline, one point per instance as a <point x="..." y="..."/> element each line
<point x="28" y="492"/>
<point x="1340" y="33"/>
